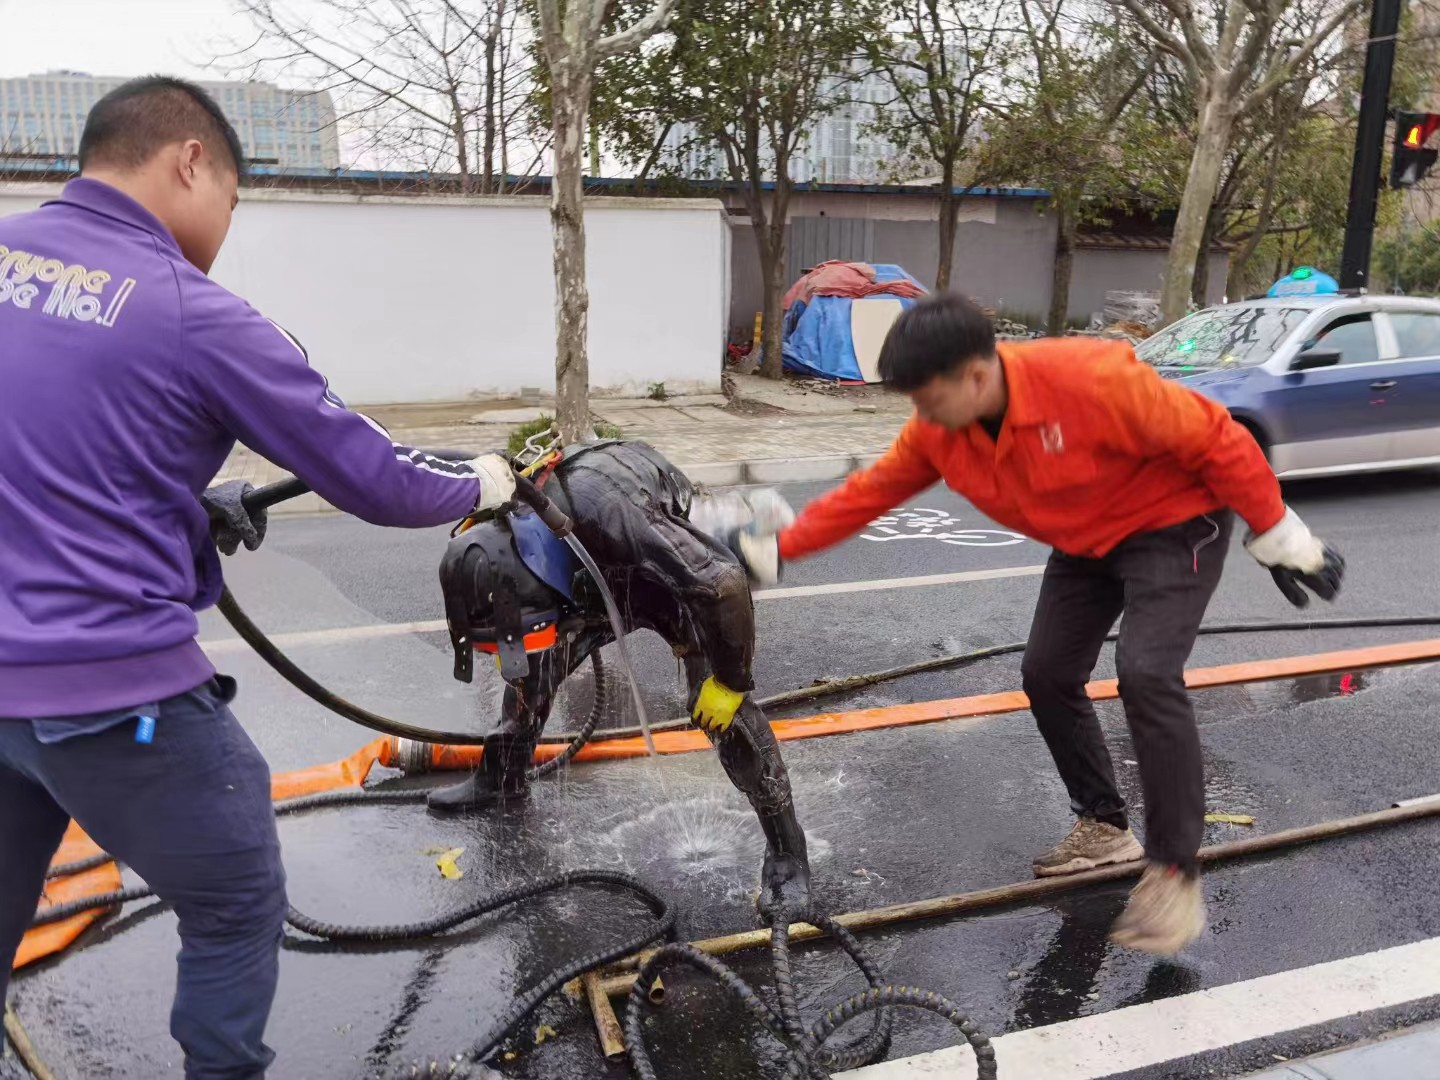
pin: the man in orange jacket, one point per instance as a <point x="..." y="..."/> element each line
<point x="1132" y="480"/>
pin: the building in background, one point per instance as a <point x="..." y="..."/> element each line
<point x="842" y="148"/>
<point x="42" y="116"/>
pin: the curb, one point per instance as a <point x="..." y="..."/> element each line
<point x="708" y="474"/>
<point x="776" y="470"/>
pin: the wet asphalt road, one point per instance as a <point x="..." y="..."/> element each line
<point x="896" y="815"/>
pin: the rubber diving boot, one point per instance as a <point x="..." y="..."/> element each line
<point x="785" y="875"/>
<point x="1166" y="912"/>
<point x="1090" y="844"/>
<point x="501" y="776"/>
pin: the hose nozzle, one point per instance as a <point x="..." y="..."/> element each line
<point x="554" y="518"/>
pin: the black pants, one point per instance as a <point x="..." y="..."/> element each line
<point x="190" y="812"/>
<point x="1162" y="582"/>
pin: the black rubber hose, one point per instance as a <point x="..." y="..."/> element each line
<point x="312" y="688"/>
<point x="61" y="912"/>
<point x="79" y="865"/>
<point x="555" y="519"/>
<point x="904" y="997"/>
<point x="856" y="1054"/>
<point x="810" y="1054"/>
<point x="316" y="691"/>
<point x="526" y="1004"/>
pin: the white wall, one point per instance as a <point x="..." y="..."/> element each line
<point x="443" y="298"/>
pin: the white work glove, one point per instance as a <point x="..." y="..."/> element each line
<point x="497" y="480"/>
<point x="747" y="523"/>
<point x="1296" y="557"/>
<point x="758" y="552"/>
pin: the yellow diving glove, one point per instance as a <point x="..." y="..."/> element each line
<point x="715" y="705"/>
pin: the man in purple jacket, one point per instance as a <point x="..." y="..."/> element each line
<point x="126" y="375"/>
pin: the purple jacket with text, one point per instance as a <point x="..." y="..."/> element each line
<point x="126" y="375"/>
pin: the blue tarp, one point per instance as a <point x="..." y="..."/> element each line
<point x="817" y="334"/>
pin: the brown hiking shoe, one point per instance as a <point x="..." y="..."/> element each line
<point x="1166" y="912"/>
<point x="1090" y="844"/>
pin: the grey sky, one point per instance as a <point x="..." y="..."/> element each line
<point x="115" y="37"/>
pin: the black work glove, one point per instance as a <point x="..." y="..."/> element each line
<point x="1298" y="560"/>
<point x="230" y="523"/>
<point x="1324" y="583"/>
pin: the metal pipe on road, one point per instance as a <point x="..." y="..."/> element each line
<point x="607" y="1024"/>
<point x="24" y="1048"/>
<point x="963" y="903"/>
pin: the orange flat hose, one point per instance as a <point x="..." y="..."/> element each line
<point x="929" y="712"/>
<point x="44" y="940"/>
<point x="351" y="771"/>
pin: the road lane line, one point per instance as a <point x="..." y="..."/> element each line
<point x="341" y="634"/>
<point x="1143" y="1036"/>
<point x="882" y="584"/>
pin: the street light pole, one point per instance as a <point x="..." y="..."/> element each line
<point x="1369" y="144"/>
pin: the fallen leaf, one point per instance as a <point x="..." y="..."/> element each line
<point x="543" y="1032"/>
<point x="446" y="864"/>
<point x="1232" y="819"/>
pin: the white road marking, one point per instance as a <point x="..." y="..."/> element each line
<point x="1141" y="1036"/>
<point x="340" y="634"/>
<point x="882" y="584"/>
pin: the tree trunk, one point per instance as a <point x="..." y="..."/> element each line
<point x="1065" y="229"/>
<point x="487" y="165"/>
<point x="462" y="156"/>
<point x="1216" y="122"/>
<point x="949" y="217"/>
<point x="572" y="301"/>
<point x="1200" y="283"/>
<point x="770" y="241"/>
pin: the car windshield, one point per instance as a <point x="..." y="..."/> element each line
<point x="1221" y="337"/>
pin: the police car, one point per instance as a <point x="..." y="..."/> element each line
<point x="1327" y="382"/>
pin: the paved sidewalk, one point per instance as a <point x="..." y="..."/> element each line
<point x="1410" y="1054"/>
<point x="757" y="439"/>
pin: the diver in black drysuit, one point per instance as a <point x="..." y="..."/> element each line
<point x="630" y="509"/>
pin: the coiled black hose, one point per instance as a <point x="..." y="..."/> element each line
<point x="809" y="1053"/>
<point x="662" y="927"/>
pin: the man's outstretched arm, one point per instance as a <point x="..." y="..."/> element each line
<point x="902" y="471"/>
<point x="257" y="382"/>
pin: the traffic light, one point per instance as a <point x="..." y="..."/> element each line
<point x="1410" y="160"/>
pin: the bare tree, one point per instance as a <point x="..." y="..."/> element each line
<point x="1072" y="82"/>
<point x="441" y="85"/>
<point x="573" y="43"/>
<point x="941" y="59"/>
<point x="742" y="85"/>
<point x="1234" y="55"/>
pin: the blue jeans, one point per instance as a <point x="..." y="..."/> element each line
<point x="190" y="813"/>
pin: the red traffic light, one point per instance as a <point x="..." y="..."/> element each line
<point x="1411" y="160"/>
<point x="1418" y="128"/>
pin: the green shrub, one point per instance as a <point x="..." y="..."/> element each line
<point x="544" y="423"/>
